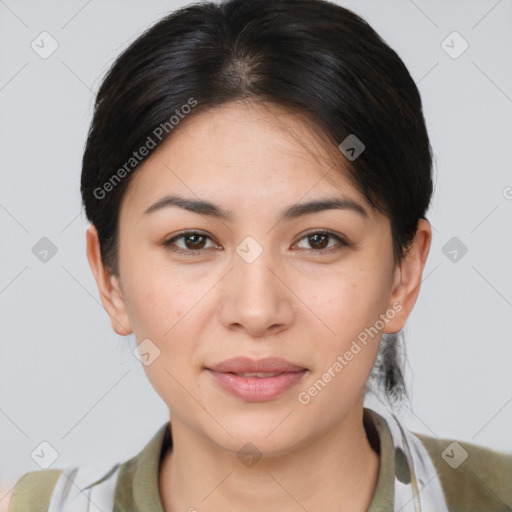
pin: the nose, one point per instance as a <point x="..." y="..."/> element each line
<point x="255" y="298"/>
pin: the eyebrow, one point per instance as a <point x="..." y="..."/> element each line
<point x="207" y="208"/>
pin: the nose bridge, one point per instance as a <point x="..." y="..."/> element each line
<point x="254" y="279"/>
<point x="254" y="297"/>
<point x="256" y="276"/>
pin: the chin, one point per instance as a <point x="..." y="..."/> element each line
<point x="271" y="433"/>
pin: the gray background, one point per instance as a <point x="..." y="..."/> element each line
<point x="68" y="379"/>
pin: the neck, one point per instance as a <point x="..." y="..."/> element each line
<point x="340" y="467"/>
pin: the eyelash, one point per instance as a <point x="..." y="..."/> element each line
<point x="191" y="252"/>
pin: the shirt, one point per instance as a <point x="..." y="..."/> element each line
<point x="472" y="478"/>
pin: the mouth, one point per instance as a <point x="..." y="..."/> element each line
<point x="241" y="365"/>
<point x="256" y="380"/>
<point x="260" y="375"/>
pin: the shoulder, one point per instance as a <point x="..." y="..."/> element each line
<point x="33" y="491"/>
<point x="49" y="489"/>
<point x="473" y="477"/>
<point x="106" y="485"/>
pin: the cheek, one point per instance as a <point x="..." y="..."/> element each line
<point x="162" y="310"/>
<point x="351" y="301"/>
<point x="155" y="303"/>
<point x="350" y="307"/>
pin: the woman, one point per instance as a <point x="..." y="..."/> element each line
<point x="257" y="176"/>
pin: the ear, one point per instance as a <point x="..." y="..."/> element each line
<point x="108" y="285"/>
<point x="408" y="275"/>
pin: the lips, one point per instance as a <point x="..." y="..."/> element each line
<point x="240" y="365"/>
<point x="256" y="380"/>
<point x="260" y="375"/>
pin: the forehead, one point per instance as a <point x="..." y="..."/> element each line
<point x="244" y="150"/>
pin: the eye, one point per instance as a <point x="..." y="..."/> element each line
<point x="318" y="240"/>
<point x="193" y="242"/>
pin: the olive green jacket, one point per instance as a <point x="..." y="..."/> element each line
<point x="473" y="478"/>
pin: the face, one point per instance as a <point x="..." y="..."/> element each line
<point x="255" y="273"/>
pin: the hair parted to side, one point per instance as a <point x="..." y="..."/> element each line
<point x="312" y="57"/>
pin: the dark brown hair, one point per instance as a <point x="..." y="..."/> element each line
<point x="311" y="56"/>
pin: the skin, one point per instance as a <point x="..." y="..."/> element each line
<point x="255" y="159"/>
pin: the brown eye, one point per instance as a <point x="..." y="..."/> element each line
<point x="318" y="241"/>
<point x="194" y="242"/>
<point x="190" y="242"/>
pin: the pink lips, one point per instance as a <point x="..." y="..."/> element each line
<point x="231" y="376"/>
